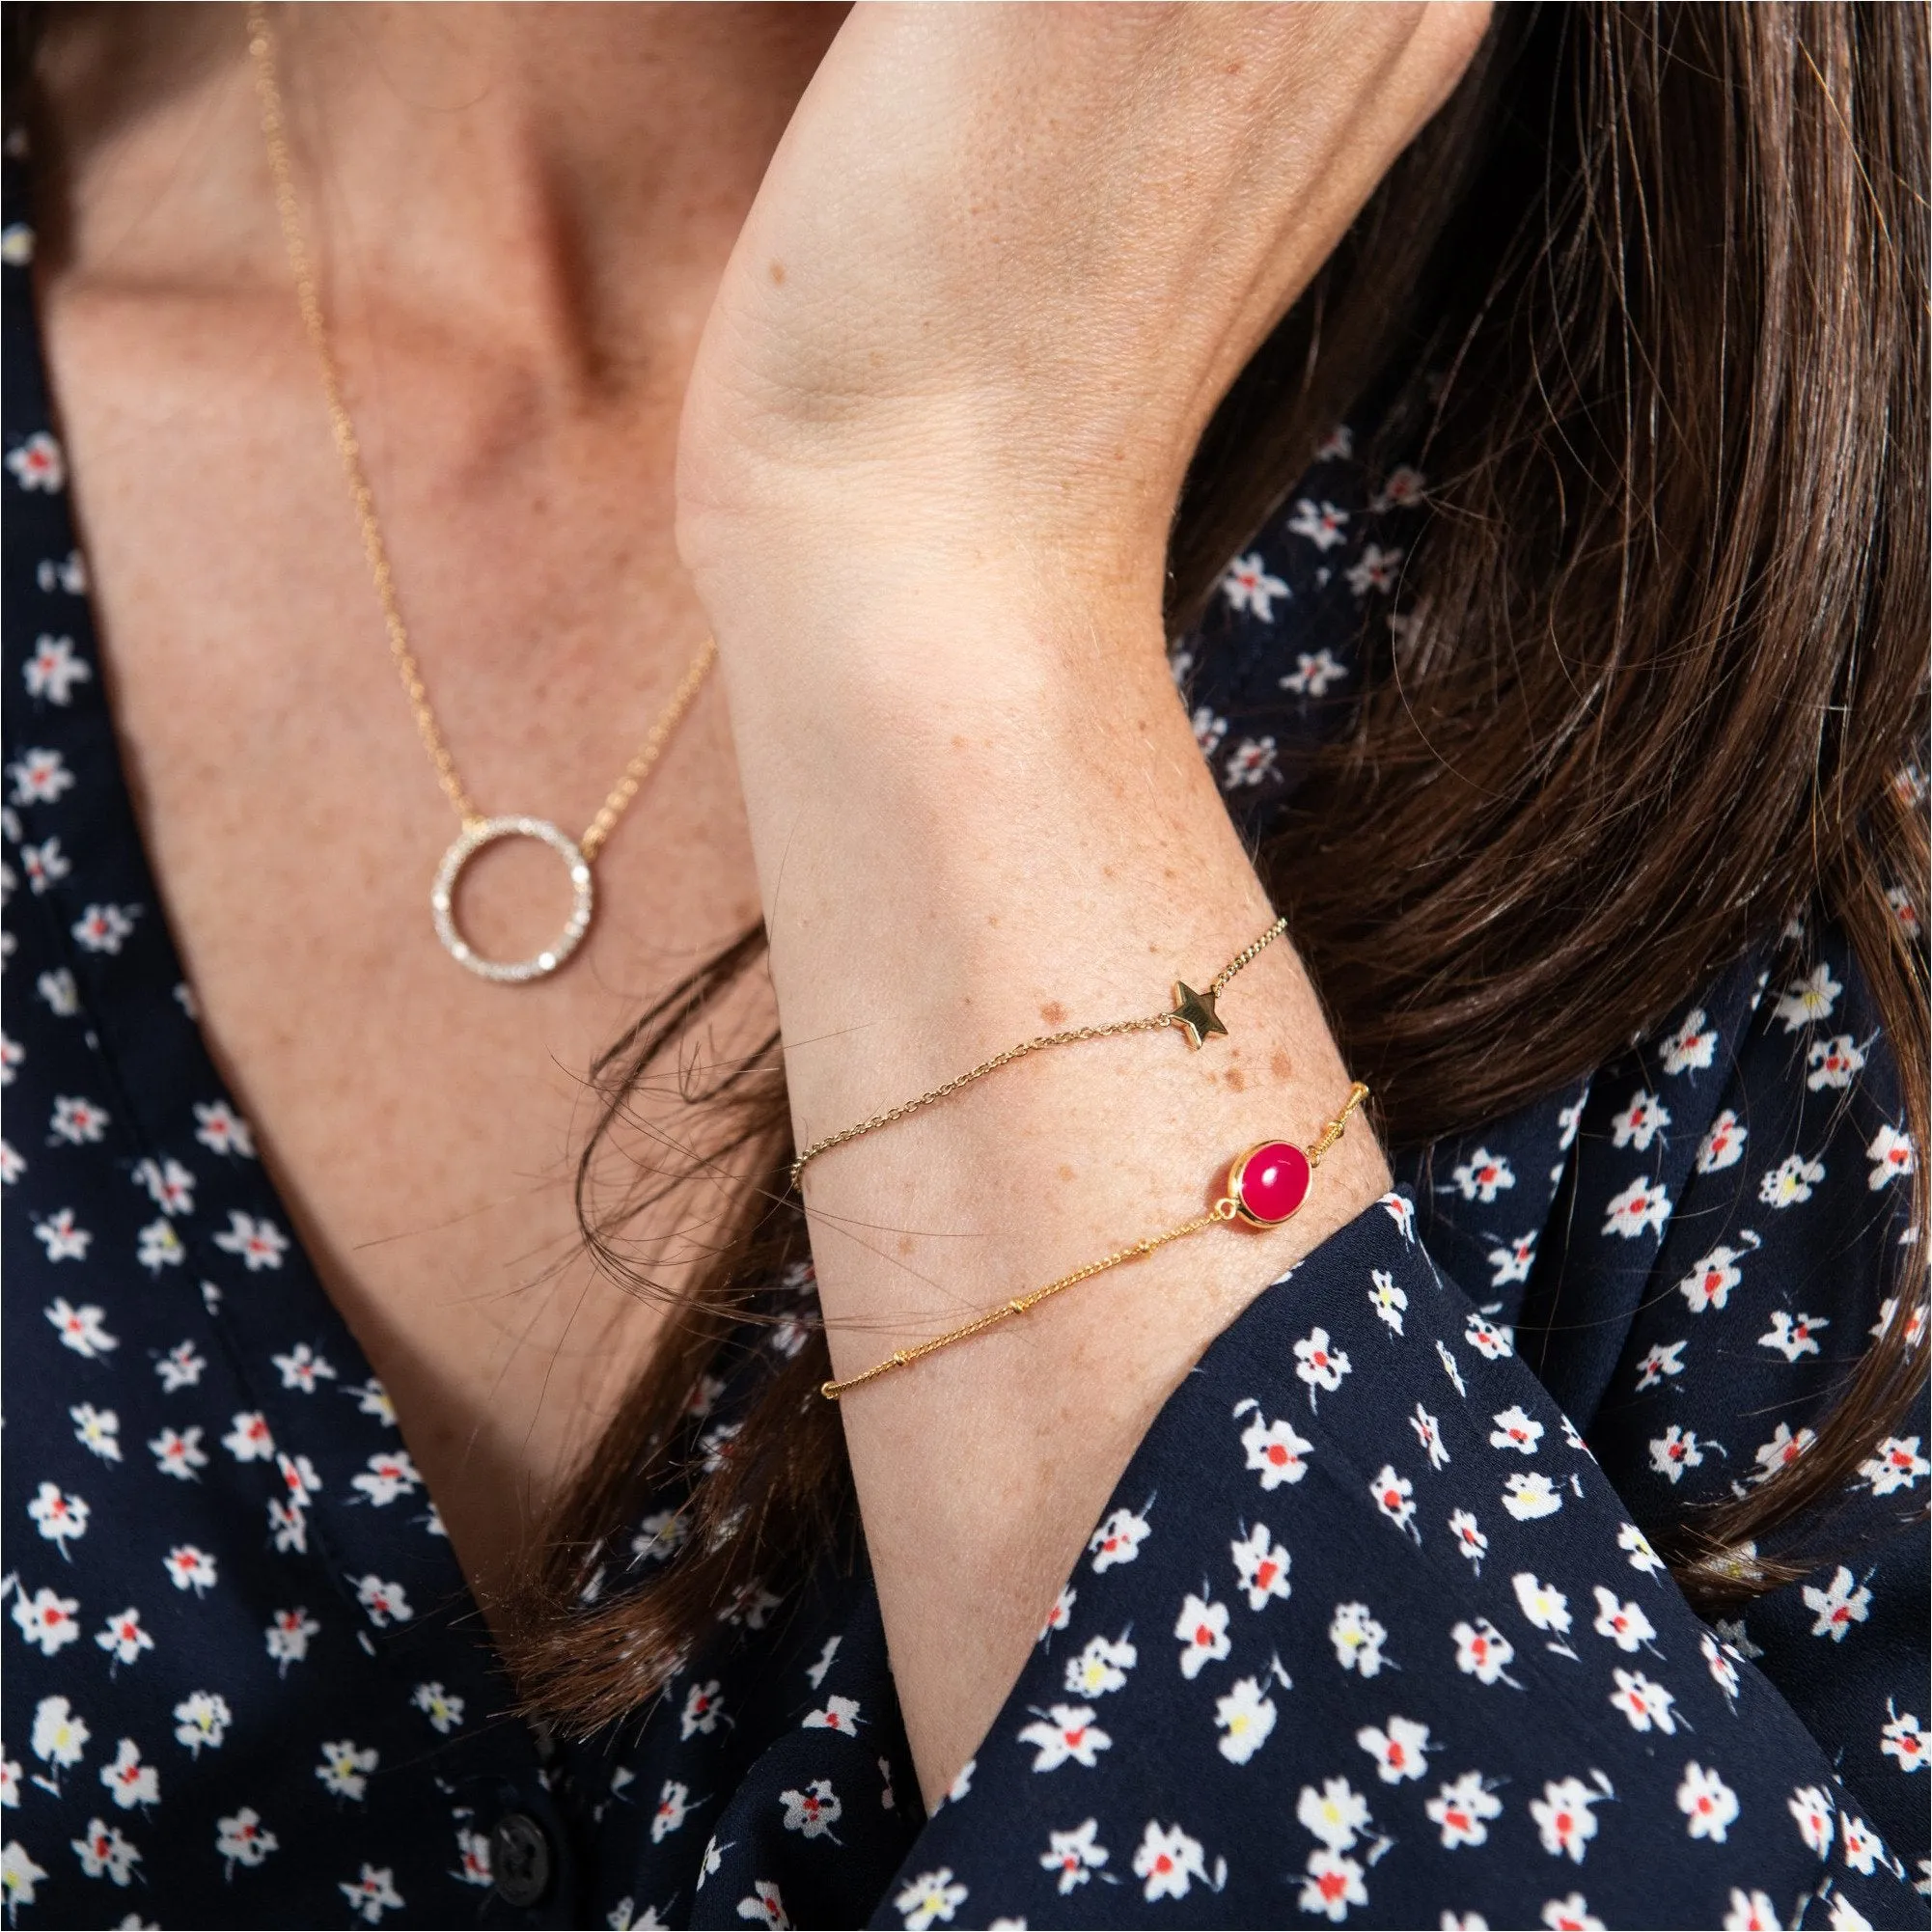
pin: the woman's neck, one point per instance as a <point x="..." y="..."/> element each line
<point x="564" y="180"/>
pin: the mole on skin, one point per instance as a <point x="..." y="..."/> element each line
<point x="1053" y="1013"/>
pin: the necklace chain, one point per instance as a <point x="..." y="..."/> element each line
<point x="349" y="448"/>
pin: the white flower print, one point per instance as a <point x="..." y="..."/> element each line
<point x="443" y="1708"/>
<point x="1118" y="1539"/>
<point x="181" y="1367"/>
<point x="1245" y="1716"/>
<point x="473" y="1868"/>
<point x="123" y="1637"/>
<point x="1461" y="1809"/>
<point x="1336" y="1816"/>
<point x="1644" y="1701"/>
<point x="1688" y="1049"/>
<point x="813" y="1812"/>
<point x="1168" y="1860"/>
<point x="673" y="1807"/>
<point x="1357" y="1639"/>
<point x="77" y="1121"/>
<point x="13" y="1163"/>
<point x="659" y="1535"/>
<point x="1400" y="1752"/>
<point x="222" y="1130"/>
<point x="47" y="1620"/>
<point x="178" y="1453"/>
<point x="1641" y="1557"/>
<point x="1708" y="1804"/>
<point x="1274" y="1450"/>
<point x="1209" y="728"/>
<point x="1722" y="1145"/>
<point x="1661" y="1359"/>
<point x="1644" y="1204"/>
<point x="19" y="1877"/>
<point x="1248" y="586"/>
<point x="1394" y="1497"/>
<point x="1490" y="1340"/>
<point x="1862" y="1846"/>
<point x="1571" y="1915"/>
<point x="1718" y="1660"/>
<point x="1564" y="1816"/>
<point x="1482" y="1651"/>
<point x="1624" y="1624"/>
<point x="105" y="1851"/>
<point x="1253" y="762"/>
<point x="158" y="1246"/>
<point x="1075" y="1854"/>
<point x="1515" y="1429"/>
<point x="1469" y="1537"/>
<point x="383" y="1603"/>
<point x="1530" y="1494"/>
<point x="372" y="1892"/>
<point x="1374" y="571"/>
<point x="1790" y="1181"/>
<point x="1202" y="1630"/>
<point x="1513" y="1262"/>
<point x="190" y="1569"/>
<point x="39" y="464"/>
<point x="1890" y="1155"/>
<point x="1387" y="1300"/>
<point x="1843" y="1602"/>
<point x="766" y="1907"/>
<point x="1903" y="1739"/>
<point x="1782" y="1448"/>
<point x="129" y="1782"/>
<point x="10" y="1773"/>
<point x="702" y="1708"/>
<point x="1401" y="1210"/>
<point x="47" y="865"/>
<point x="1320" y="1363"/>
<point x="1834" y="1061"/>
<point x="1331" y="1885"/>
<point x="168" y="1184"/>
<point x="389" y="1474"/>
<point x="1896" y="1466"/>
<point x="1323" y="524"/>
<point x="1643" y="1119"/>
<point x="1261" y="1565"/>
<point x="60" y="1735"/>
<point x="202" y="1717"/>
<point x="104" y="928"/>
<point x="1483" y="1176"/>
<point x="1449" y="1369"/>
<point x="1815" y="1816"/>
<point x="1102" y="1665"/>
<point x="1429" y="1433"/>
<point x="60" y="1516"/>
<point x="1061" y="1614"/>
<point x="1914" y="1321"/>
<point x="1808" y="1001"/>
<point x="1674" y="1451"/>
<point x="302" y="1368"/>
<point x="260" y="1244"/>
<point x="841" y="1714"/>
<point x="40" y="777"/>
<point x="1792" y="1335"/>
<point x="1312" y="675"/>
<point x="1543" y="1604"/>
<point x="248" y="1439"/>
<point x="1063" y="1733"/>
<point x="346" y="1767"/>
<point x="1709" y="1283"/>
<point x="288" y="1636"/>
<point x="80" y="1329"/>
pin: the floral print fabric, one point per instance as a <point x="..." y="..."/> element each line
<point x="1371" y="1632"/>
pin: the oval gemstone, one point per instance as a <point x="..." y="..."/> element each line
<point x="1269" y="1182"/>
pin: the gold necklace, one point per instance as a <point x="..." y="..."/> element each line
<point x="579" y="854"/>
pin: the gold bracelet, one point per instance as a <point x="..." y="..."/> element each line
<point x="1192" y="1013"/>
<point x="1264" y="1188"/>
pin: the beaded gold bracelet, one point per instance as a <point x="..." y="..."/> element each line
<point x="1265" y="1186"/>
<point x="1192" y="1013"/>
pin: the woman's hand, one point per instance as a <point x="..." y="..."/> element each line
<point x="1003" y="263"/>
<point x="1008" y="257"/>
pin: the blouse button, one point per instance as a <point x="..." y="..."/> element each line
<point x="520" y="1860"/>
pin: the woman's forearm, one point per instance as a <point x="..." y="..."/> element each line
<point x="980" y="814"/>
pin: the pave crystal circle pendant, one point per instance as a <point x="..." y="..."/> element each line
<point x="469" y="841"/>
<point x="1269" y="1182"/>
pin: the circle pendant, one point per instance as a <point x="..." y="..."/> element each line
<point x="471" y="841"/>
<point x="1269" y="1182"/>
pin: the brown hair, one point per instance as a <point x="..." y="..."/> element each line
<point x="1666" y="266"/>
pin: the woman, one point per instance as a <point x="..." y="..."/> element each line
<point x="935" y="316"/>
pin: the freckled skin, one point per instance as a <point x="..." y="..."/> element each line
<point x="1238" y="1080"/>
<point x="1281" y="1067"/>
<point x="1053" y="1013"/>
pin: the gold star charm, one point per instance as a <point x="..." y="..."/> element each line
<point x="1193" y="1013"/>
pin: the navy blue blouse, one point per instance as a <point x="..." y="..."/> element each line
<point x="1371" y="1632"/>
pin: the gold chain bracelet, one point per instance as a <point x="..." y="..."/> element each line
<point x="1265" y="1186"/>
<point x="1192" y="1013"/>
